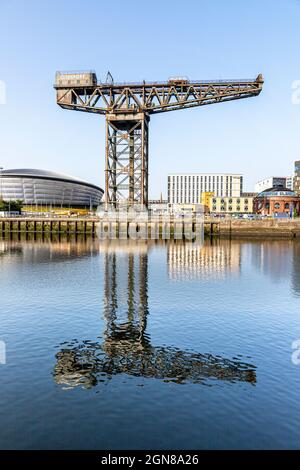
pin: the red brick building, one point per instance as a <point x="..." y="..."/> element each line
<point x="277" y="201"/>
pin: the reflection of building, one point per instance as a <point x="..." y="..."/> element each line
<point x="231" y="205"/>
<point x="277" y="201"/>
<point x="273" y="258"/>
<point x="187" y="188"/>
<point x="126" y="347"/>
<point x="211" y="260"/>
<point x="296" y="268"/>
<point x="269" y="183"/>
<point x="47" y="188"/>
<point x="40" y="251"/>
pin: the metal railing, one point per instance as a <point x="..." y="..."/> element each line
<point x="169" y="82"/>
<point x="190" y="82"/>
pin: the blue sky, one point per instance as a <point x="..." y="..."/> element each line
<point x="154" y="40"/>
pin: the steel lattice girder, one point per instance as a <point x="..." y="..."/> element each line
<point x="154" y="98"/>
<point x="126" y="159"/>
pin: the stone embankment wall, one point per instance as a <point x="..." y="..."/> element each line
<point x="260" y="228"/>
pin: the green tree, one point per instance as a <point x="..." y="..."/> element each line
<point x="14" y="206"/>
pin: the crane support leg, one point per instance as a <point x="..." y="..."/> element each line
<point x="126" y="159"/>
<point x="125" y="297"/>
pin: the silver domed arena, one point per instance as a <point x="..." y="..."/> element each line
<point x="41" y="187"/>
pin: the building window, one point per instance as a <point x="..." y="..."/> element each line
<point x="222" y="208"/>
<point x="277" y="205"/>
<point x="246" y="208"/>
<point x="238" y="208"/>
<point x="214" y="201"/>
<point x="286" y="206"/>
<point x="214" y="208"/>
<point x="230" y="208"/>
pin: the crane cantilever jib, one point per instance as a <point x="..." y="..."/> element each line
<point x="128" y="107"/>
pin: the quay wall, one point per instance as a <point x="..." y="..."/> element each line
<point x="283" y="228"/>
<point x="215" y="227"/>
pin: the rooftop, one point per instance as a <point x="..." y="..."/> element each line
<point x="212" y="173"/>
<point x="277" y="191"/>
<point x="36" y="173"/>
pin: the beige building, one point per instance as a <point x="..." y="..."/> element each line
<point x="187" y="188"/>
<point x="231" y="205"/>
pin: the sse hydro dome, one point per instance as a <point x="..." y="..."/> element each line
<point x="41" y="187"/>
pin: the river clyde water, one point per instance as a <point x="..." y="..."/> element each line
<point x="128" y="345"/>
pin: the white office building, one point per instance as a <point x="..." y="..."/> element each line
<point x="270" y="182"/>
<point x="187" y="188"/>
<point x="290" y="182"/>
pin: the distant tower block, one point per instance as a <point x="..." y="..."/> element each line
<point x="128" y="108"/>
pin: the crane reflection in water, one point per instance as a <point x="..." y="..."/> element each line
<point x="125" y="347"/>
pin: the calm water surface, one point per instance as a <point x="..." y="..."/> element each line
<point x="159" y="345"/>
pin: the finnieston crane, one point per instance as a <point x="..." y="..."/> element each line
<point x="127" y="107"/>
